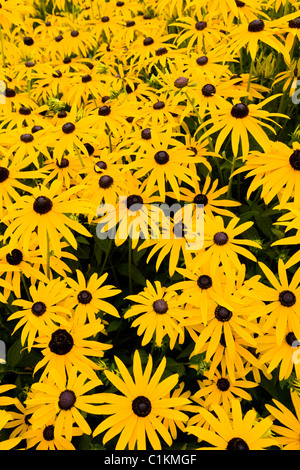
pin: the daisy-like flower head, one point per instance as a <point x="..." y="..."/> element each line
<point x="276" y="171"/>
<point x="252" y="34"/>
<point x="46" y="438"/>
<point x="178" y="236"/>
<point x="86" y="297"/>
<point x="282" y="298"/>
<point x="130" y="216"/>
<point x="221" y="244"/>
<point x="220" y="389"/>
<point x="240" y="119"/>
<point x="136" y="414"/>
<point x="234" y="432"/>
<point x="10" y="443"/>
<point x="69" y="347"/>
<point x="211" y="197"/>
<point x="281" y="356"/>
<point x="63" y="399"/>
<point x="159" y="314"/>
<point x="287" y="432"/>
<point x="228" y="315"/>
<point x="164" y="162"/>
<point x="46" y="209"/>
<point x="45" y="310"/>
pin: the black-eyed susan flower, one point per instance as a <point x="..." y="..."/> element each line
<point x="221" y="244"/>
<point x="281" y="297"/>
<point x="220" y="389"/>
<point x="86" y="296"/>
<point x="64" y="400"/>
<point x="70" y="347"/>
<point x="276" y="172"/>
<point x="235" y="432"/>
<point x="46" y="209"/>
<point x="158" y="314"/>
<point x="44" y="310"/>
<point x="7" y="444"/>
<point x="287" y="432"/>
<point x="279" y="357"/>
<point x="136" y="414"/>
<point x="46" y="438"/>
<point x="239" y="120"/>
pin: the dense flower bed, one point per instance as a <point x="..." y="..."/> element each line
<point x="150" y="216"/>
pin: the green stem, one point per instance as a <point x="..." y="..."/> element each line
<point x="231" y="172"/>
<point x="25" y="286"/>
<point x="106" y="256"/>
<point x="79" y="156"/>
<point x="48" y="256"/>
<point x="130" y="264"/>
<point x="2" y="47"/>
<point x="249" y="79"/>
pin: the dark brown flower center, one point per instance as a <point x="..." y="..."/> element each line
<point x="200" y="25"/>
<point x="202" y="60"/>
<point x="181" y="82"/>
<point x="220" y="238"/>
<point x="48" y="433"/>
<point x="222" y="313"/>
<point x="100" y="166"/>
<point x="58" y="38"/>
<point x="161" y="157"/>
<point x="141" y="406"/>
<point x="161" y="51"/>
<point x="160" y="306"/>
<point x="84" y="297"/>
<point x="105" y="181"/>
<point x="28" y="41"/>
<point x="38" y="309"/>
<point x="200" y="199"/>
<point x="256" y="26"/>
<point x="15" y="257"/>
<point x="4" y="174"/>
<point x="74" y="34"/>
<point x="104" y="111"/>
<point x="295" y="23"/>
<point x="208" y="90"/>
<point x="86" y="78"/>
<point x="68" y="128"/>
<point x="105" y="19"/>
<point x="223" y="384"/>
<point x="9" y="93"/>
<point x="146" y="134"/>
<point x="204" y="281"/>
<point x="134" y="202"/>
<point x="26" y="138"/>
<point x="24" y="111"/>
<point x="66" y="400"/>
<point x="148" y="41"/>
<point x="36" y="129"/>
<point x="295" y="160"/>
<point x="159" y="105"/>
<point x="42" y="205"/>
<point x="29" y="64"/>
<point x="236" y="443"/>
<point x="61" y="342"/>
<point x="290" y="338"/>
<point x="64" y="163"/>
<point x="239" y="111"/>
<point x="287" y="298"/>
